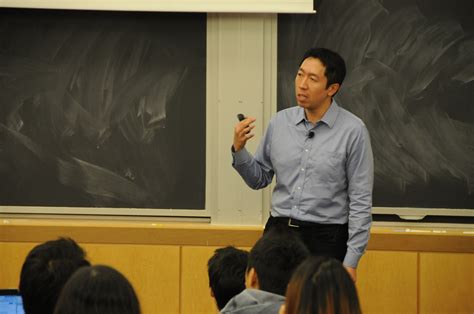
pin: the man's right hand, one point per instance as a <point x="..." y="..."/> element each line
<point x="242" y="133"/>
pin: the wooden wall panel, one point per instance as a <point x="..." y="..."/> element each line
<point x="154" y="272"/>
<point x="387" y="282"/>
<point x="12" y="256"/>
<point x="195" y="292"/>
<point x="167" y="263"/>
<point x="446" y="283"/>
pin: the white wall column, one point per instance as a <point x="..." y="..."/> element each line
<point x="241" y="78"/>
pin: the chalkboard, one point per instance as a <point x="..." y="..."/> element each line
<point x="411" y="79"/>
<point x="102" y="109"/>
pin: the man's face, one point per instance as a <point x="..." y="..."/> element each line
<point x="310" y="85"/>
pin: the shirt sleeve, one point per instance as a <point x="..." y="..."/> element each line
<point x="360" y="177"/>
<point x="256" y="171"/>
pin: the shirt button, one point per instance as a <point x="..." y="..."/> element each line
<point x="299" y="188"/>
<point x="302" y="169"/>
<point x="306" y="150"/>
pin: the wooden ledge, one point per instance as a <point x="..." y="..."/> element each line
<point x="127" y="232"/>
<point x="157" y="232"/>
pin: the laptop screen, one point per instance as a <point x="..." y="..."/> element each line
<point x="10" y="302"/>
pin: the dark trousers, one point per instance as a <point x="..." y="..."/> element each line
<point x="320" y="239"/>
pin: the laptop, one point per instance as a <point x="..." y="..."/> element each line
<point x="11" y="302"/>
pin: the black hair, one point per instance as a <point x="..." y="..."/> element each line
<point x="45" y="270"/>
<point x="274" y="257"/>
<point x="335" y="66"/>
<point x="98" y="289"/>
<point x="226" y="270"/>
<point x="321" y="285"/>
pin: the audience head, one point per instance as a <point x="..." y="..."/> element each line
<point x="226" y="270"/>
<point x="98" y="289"/>
<point x="45" y="271"/>
<point x="273" y="259"/>
<point x="321" y="285"/>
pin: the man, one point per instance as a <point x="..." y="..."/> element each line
<point x="45" y="271"/>
<point x="271" y="263"/>
<point x="226" y="270"/>
<point x="322" y="158"/>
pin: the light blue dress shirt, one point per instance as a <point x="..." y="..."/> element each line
<point x="324" y="178"/>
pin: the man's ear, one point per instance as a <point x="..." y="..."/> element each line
<point x="333" y="88"/>
<point x="251" y="279"/>
<point x="212" y="292"/>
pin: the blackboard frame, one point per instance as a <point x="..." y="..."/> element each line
<point x="335" y="20"/>
<point x="200" y="211"/>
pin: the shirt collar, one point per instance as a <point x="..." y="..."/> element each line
<point x="329" y="118"/>
<point x="331" y="115"/>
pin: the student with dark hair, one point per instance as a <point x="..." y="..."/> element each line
<point x="322" y="157"/>
<point x="98" y="289"/>
<point x="321" y="285"/>
<point x="45" y="270"/>
<point x="272" y="261"/>
<point x="226" y="270"/>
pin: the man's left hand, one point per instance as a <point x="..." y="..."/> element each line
<point x="352" y="272"/>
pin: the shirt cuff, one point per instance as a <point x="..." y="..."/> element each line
<point x="240" y="157"/>
<point x="351" y="259"/>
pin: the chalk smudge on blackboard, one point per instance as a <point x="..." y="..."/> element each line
<point x="410" y="78"/>
<point x="93" y="109"/>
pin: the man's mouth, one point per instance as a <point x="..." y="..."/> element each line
<point x="302" y="96"/>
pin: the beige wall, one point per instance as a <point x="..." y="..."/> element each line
<point x="167" y="263"/>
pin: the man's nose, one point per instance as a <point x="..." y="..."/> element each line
<point x="302" y="83"/>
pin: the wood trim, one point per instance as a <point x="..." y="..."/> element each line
<point x="421" y="242"/>
<point x="153" y="232"/>
<point x="204" y="234"/>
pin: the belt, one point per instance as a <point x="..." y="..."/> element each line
<point x="294" y="223"/>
